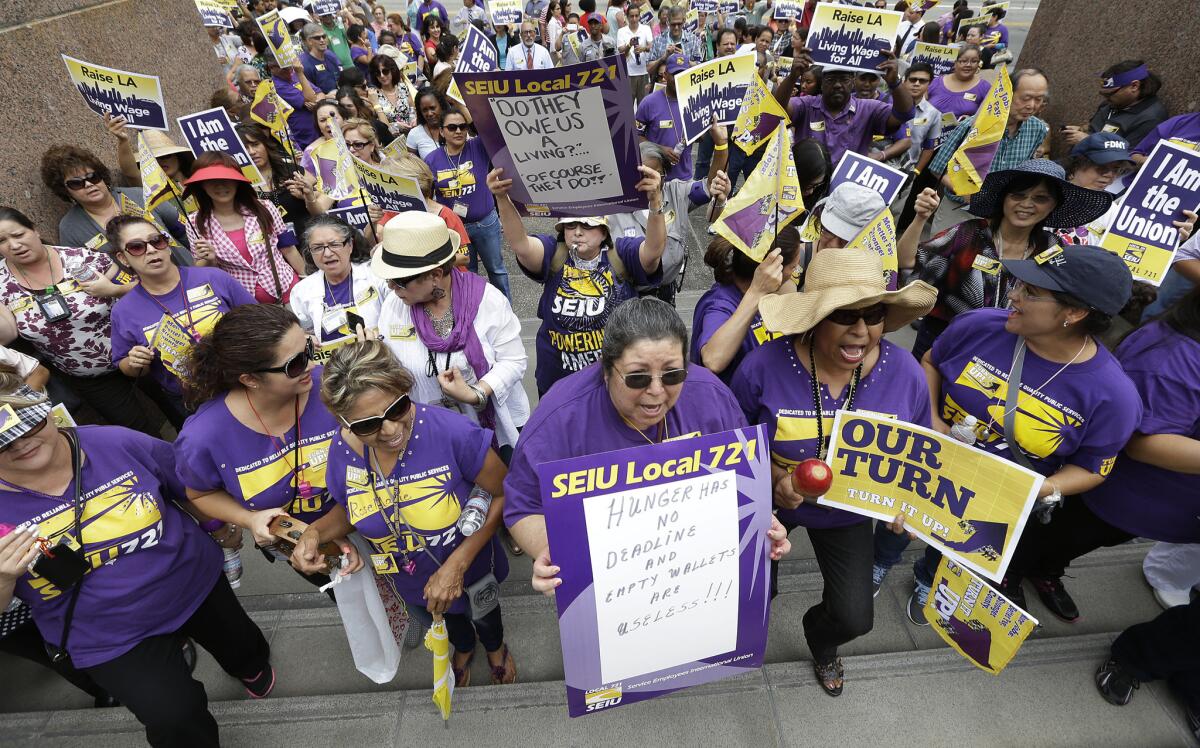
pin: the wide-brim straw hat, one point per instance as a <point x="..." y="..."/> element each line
<point x="844" y="278"/>
<point x="160" y="144"/>
<point x="413" y="242"/>
<point x="1079" y="206"/>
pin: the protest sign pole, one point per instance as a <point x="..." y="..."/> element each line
<point x="366" y="202"/>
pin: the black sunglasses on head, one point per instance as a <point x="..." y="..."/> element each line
<point x="394" y="412"/>
<point x="295" y="366"/>
<point x="78" y="183"/>
<point x="872" y="315"/>
<point x="137" y="247"/>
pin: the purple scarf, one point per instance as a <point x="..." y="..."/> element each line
<point x="466" y="292"/>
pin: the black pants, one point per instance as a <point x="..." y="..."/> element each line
<point x="847" y="609"/>
<point x="462" y="631"/>
<point x="1045" y="551"/>
<point x="928" y="331"/>
<point x="153" y="681"/>
<point x="26" y="642"/>
<point x="114" y="397"/>
<point x="1167" y="648"/>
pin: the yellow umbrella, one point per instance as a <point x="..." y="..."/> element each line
<point x="437" y="641"/>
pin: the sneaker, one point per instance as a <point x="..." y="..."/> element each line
<point x="916" y="603"/>
<point x="1114" y="683"/>
<point x="1014" y="592"/>
<point x="1055" y="597"/>
<point x="261" y="685"/>
<point x="878" y="574"/>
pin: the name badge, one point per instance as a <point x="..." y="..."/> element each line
<point x="199" y="292"/>
<point x="22" y="304"/>
<point x="968" y="96"/>
<point x="986" y="264"/>
<point x="1111" y="128"/>
<point x="402" y="332"/>
<point x="333" y="320"/>
<point x="257" y="236"/>
<point x="919" y="121"/>
<point x="818" y="126"/>
<point x="949" y="120"/>
<point x="460" y="209"/>
<point x="96" y="242"/>
<point x="384" y="563"/>
<point x="320" y="67"/>
<point x="665" y="123"/>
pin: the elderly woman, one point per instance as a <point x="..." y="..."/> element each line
<point x="240" y="234"/>
<point x="343" y="284"/>
<point x="1012" y="210"/>
<point x="834" y="357"/>
<point x="149" y="574"/>
<point x="60" y="300"/>
<point x="397" y="108"/>
<point x="157" y="322"/>
<point x="454" y="331"/>
<point x="585" y="274"/>
<point x="422" y="547"/>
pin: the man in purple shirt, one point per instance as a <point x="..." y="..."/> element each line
<point x="657" y="120"/>
<point x="293" y="87"/>
<point x="834" y="118"/>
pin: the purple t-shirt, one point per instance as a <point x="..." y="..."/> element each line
<point x="956" y="106"/>
<point x="775" y="389"/>
<point x="323" y="73"/>
<point x="577" y="418"/>
<point x="851" y="129"/>
<point x="215" y="452"/>
<point x="576" y="303"/>
<point x="1185" y="127"/>
<point x="463" y="180"/>
<point x="714" y="309"/>
<point x="1141" y="499"/>
<point x="1083" y="416"/>
<point x="300" y="121"/>
<point x="433" y="481"/>
<point x="136" y="317"/>
<point x="152" y="566"/>
<point x="657" y="120"/>
<point x="357" y="52"/>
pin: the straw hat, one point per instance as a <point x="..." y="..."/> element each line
<point x="160" y="144"/>
<point x="844" y="278"/>
<point x="413" y="242"/>
<point x="599" y="222"/>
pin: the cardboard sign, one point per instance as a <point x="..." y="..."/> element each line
<point x="850" y="37"/>
<point x="136" y="97"/>
<point x="872" y="174"/>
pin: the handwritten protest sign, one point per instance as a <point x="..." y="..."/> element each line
<point x="138" y="98"/>
<point x="879" y="236"/>
<point x="477" y="56"/>
<point x="509" y="12"/>
<point x="788" y="9"/>
<point x="980" y="623"/>
<point x="1143" y="232"/>
<point x="849" y="37"/>
<point x="940" y="57"/>
<point x="868" y="172"/>
<point x="969" y="504"/>
<point x="279" y="39"/>
<point x="214" y="14"/>
<point x="211" y="130"/>
<point x="665" y="575"/>
<point x="390" y="192"/>
<point x="712" y="90"/>
<point x="564" y="135"/>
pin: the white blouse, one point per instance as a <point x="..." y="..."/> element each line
<point x="310" y="301"/>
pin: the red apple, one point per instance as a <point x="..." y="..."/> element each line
<point x="812" y="477"/>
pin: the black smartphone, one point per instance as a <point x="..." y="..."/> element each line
<point x="63" y="566"/>
<point x="353" y="321"/>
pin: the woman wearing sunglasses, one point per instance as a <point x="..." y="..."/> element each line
<point x="144" y="573"/>
<point x="460" y="167"/>
<point x="832" y="356"/>
<point x="376" y="466"/>
<point x="169" y="309"/>
<point x="257" y="445"/>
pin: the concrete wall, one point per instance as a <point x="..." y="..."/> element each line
<point x="156" y="37"/>
<point x="1073" y="40"/>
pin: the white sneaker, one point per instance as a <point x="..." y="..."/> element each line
<point x="1172" y="598"/>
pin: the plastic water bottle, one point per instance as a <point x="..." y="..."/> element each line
<point x="475" y="512"/>
<point x="964" y="430"/>
<point x="233" y="567"/>
<point x="82" y="273"/>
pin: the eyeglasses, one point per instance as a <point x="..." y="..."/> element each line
<point x="77" y="183"/>
<point x="37" y="427"/>
<point x="454" y="127"/>
<point x="972" y="62"/>
<point x="137" y="247"/>
<point x="872" y="315"/>
<point x="367" y="426"/>
<point x="1020" y="291"/>
<point x="320" y="249"/>
<point x="640" y="380"/>
<point x="317" y="38"/>
<point x="921" y="81"/>
<point x="295" y="366"/>
<point x="357" y="145"/>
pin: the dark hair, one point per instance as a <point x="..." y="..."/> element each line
<point x="282" y="166"/>
<point x="381" y="64"/>
<point x="730" y="264"/>
<point x="1183" y="316"/>
<point x="360" y="251"/>
<point x="58" y="160"/>
<point x="812" y="158"/>
<point x="641" y="319"/>
<point x="446" y="46"/>
<point x="245" y="199"/>
<point x="242" y="342"/>
<point x="931" y="32"/>
<point x="1095" y="323"/>
<point x="355" y="31"/>
<point x="362" y="109"/>
<point x="113" y="229"/>
<point x="1150" y="84"/>
<point x="379" y="38"/>
<point x="352" y="77"/>
<point x="997" y="12"/>
<point x="427" y="23"/>
<point x="968" y="48"/>
<point x="1038" y="236"/>
<point x="316" y="113"/>
<point x="920" y="67"/>
<point x="17" y="217"/>
<point x="725" y="31"/>
<point x="443" y="102"/>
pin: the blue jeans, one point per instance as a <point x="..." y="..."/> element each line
<point x="486" y="243"/>
<point x="889" y="546"/>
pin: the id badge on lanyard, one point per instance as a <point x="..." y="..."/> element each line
<point x="53" y="306"/>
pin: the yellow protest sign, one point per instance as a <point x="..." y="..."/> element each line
<point x="157" y="187"/>
<point x="138" y="98"/>
<point x="973" y="159"/>
<point x="768" y="201"/>
<point x="969" y="504"/>
<point x="279" y="39"/>
<point x="391" y="192"/>
<point x="272" y="112"/>
<point x="759" y="116"/>
<point x="980" y="623"/>
<point x="879" y="236"/>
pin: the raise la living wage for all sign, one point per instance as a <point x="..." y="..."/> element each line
<point x="138" y="98"/>
<point x="853" y="38"/>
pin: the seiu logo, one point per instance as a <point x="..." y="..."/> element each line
<point x="602" y="698"/>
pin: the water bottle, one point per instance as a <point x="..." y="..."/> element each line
<point x="964" y="430"/>
<point x="475" y="512"/>
<point x="82" y="273"/>
<point x="233" y="567"/>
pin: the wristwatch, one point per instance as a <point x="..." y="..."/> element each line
<point x="660" y="210"/>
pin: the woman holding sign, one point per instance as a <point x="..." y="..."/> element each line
<point x="832" y="356"/>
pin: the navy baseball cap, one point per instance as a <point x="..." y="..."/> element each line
<point x="1095" y="276"/>
<point x="1103" y="148"/>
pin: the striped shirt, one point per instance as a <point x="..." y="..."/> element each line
<point x="1013" y="150"/>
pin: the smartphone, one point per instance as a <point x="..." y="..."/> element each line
<point x="353" y="321"/>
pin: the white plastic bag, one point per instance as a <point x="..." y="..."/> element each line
<point x="368" y="630"/>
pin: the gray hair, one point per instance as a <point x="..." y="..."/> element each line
<point x="1025" y="73"/>
<point x="677" y="11"/>
<point x="243" y="68"/>
<point x="637" y="320"/>
<point x="355" y="369"/>
<point x="655" y="151"/>
<point x="360" y="252"/>
<point x="311" y="28"/>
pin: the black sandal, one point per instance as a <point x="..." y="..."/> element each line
<point x="829" y="675"/>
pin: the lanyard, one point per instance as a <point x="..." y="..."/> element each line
<point x="303" y="487"/>
<point x="819" y="399"/>
<point x="187" y="309"/>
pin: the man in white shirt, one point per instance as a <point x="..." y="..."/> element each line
<point x="528" y="55"/>
<point x="634" y="42"/>
<point x="910" y="26"/>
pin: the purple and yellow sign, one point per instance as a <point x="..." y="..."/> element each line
<point x="852" y="38"/>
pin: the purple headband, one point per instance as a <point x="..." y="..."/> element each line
<point x="1140" y="73"/>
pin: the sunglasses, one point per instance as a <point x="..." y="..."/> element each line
<point x="137" y="247"/>
<point x="38" y="427"/>
<point x="357" y="145"/>
<point x="367" y="426"/>
<point x="295" y="366"/>
<point x="454" y="128"/>
<point x="78" y="183"/>
<point x="399" y="284"/>
<point x="640" y="380"/>
<point x="872" y="315"/>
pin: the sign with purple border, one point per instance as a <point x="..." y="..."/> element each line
<point x="565" y="136"/>
<point x="870" y="173"/>
<point x="665" y="567"/>
<point x="849" y="37"/>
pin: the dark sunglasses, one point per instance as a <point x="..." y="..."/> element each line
<point x="399" y="284"/>
<point x="38" y="427"/>
<point x="77" y="183"/>
<point x="872" y="315"/>
<point x="367" y="426"/>
<point x="454" y="127"/>
<point x="357" y="145"/>
<point x="137" y="247"/>
<point x="295" y="366"/>
<point x="640" y="380"/>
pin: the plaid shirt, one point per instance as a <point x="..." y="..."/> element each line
<point x="259" y="271"/>
<point x="1013" y="150"/>
<point x="692" y="46"/>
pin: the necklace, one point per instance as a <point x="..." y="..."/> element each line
<point x="50" y="287"/>
<point x="582" y="264"/>
<point x="393" y="522"/>
<point x="819" y="400"/>
<point x="664" y="433"/>
<point x="304" y="488"/>
<point x="442" y="325"/>
<point x="987" y="430"/>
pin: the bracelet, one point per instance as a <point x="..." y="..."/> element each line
<point x="480" y="398"/>
<point x="212" y="525"/>
<point x="916" y="172"/>
<point x="894" y="86"/>
<point x="722" y="147"/>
